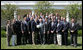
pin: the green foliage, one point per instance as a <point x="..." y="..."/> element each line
<point x="74" y="11"/>
<point x="3" y="33"/>
<point x="7" y="12"/>
<point x="21" y="12"/>
<point x="80" y="33"/>
<point x="43" y="7"/>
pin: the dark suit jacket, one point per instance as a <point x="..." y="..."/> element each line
<point x="33" y="26"/>
<point x="24" y="27"/>
<point x="9" y="30"/>
<point x="30" y="25"/>
<point x="52" y="28"/>
<point x="65" y="27"/>
<point x="45" y="27"/>
<point x="59" y="28"/>
<point x="28" y="19"/>
<point x="14" y="29"/>
<point x="75" y="27"/>
<point x="18" y="26"/>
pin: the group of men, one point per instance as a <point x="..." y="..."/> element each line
<point x="44" y="29"/>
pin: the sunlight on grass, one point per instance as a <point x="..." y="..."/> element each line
<point x="39" y="46"/>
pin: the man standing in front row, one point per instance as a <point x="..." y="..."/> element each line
<point x="73" y="32"/>
<point x="59" y="32"/>
<point x="65" y="31"/>
<point x="24" y="29"/>
<point x="18" y="30"/>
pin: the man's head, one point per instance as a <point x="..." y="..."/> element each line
<point x="56" y="14"/>
<point x="40" y="19"/>
<point x="72" y="20"/>
<point x="27" y="15"/>
<point x="45" y="19"/>
<point x="8" y="21"/>
<point x="31" y="18"/>
<point x="58" y="20"/>
<point x="18" y="17"/>
<point x="61" y="18"/>
<point x="14" y="20"/>
<point x="52" y="19"/>
<point x="64" y="19"/>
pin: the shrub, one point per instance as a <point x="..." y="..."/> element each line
<point x="80" y="33"/>
<point x="3" y="33"/>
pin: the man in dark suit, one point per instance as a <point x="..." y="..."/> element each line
<point x="24" y="29"/>
<point x="52" y="30"/>
<point x="41" y="30"/>
<point x="30" y="30"/>
<point x="55" y="34"/>
<point x="73" y="32"/>
<point x="65" y="31"/>
<point x="59" y="32"/>
<point x="45" y="28"/>
<point x="62" y="32"/>
<point x="8" y="32"/>
<point x="18" y="30"/>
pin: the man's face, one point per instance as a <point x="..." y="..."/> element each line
<point x="27" y="15"/>
<point x="61" y="18"/>
<point x="56" y="14"/>
<point x="72" y="20"/>
<point x="64" y="19"/>
<point x="40" y="20"/>
<point x="24" y="18"/>
<point x="58" y="20"/>
<point x="14" y="20"/>
<point x="18" y="17"/>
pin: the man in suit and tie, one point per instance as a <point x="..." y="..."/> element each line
<point x="8" y="32"/>
<point x="52" y="30"/>
<point x="18" y="30"/>
<point x="45" y="28"/>
<point x="34" y="31"/>
<point x="24" y="29"/>
<point x="41" y="31"/>
<point x="65" y="31"/>
<point x="59" y="32"/>
<point x="30" y="30"/>
<point x="62" y="32"/>
<point x="73" y="32"/>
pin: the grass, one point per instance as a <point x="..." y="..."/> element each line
<point x="46" y="46"/>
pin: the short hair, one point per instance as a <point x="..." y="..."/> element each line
<point x="7" y="21"/>
<point x="40" y="18"/>
<point x="25" y="15"/>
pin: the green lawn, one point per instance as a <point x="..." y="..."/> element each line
<point x="29" y="46"/>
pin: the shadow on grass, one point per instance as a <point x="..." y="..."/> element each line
<point x="69" y="42"/>
<point x="79" y="44"/>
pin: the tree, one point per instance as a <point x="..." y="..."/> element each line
<point x="73" y="10"/>
<point x="7" y="12"/>
<point x="43" y="7"/>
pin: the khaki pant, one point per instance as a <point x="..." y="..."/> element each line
<point x="59" y="39"/>
<point x="33" y="38"/>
